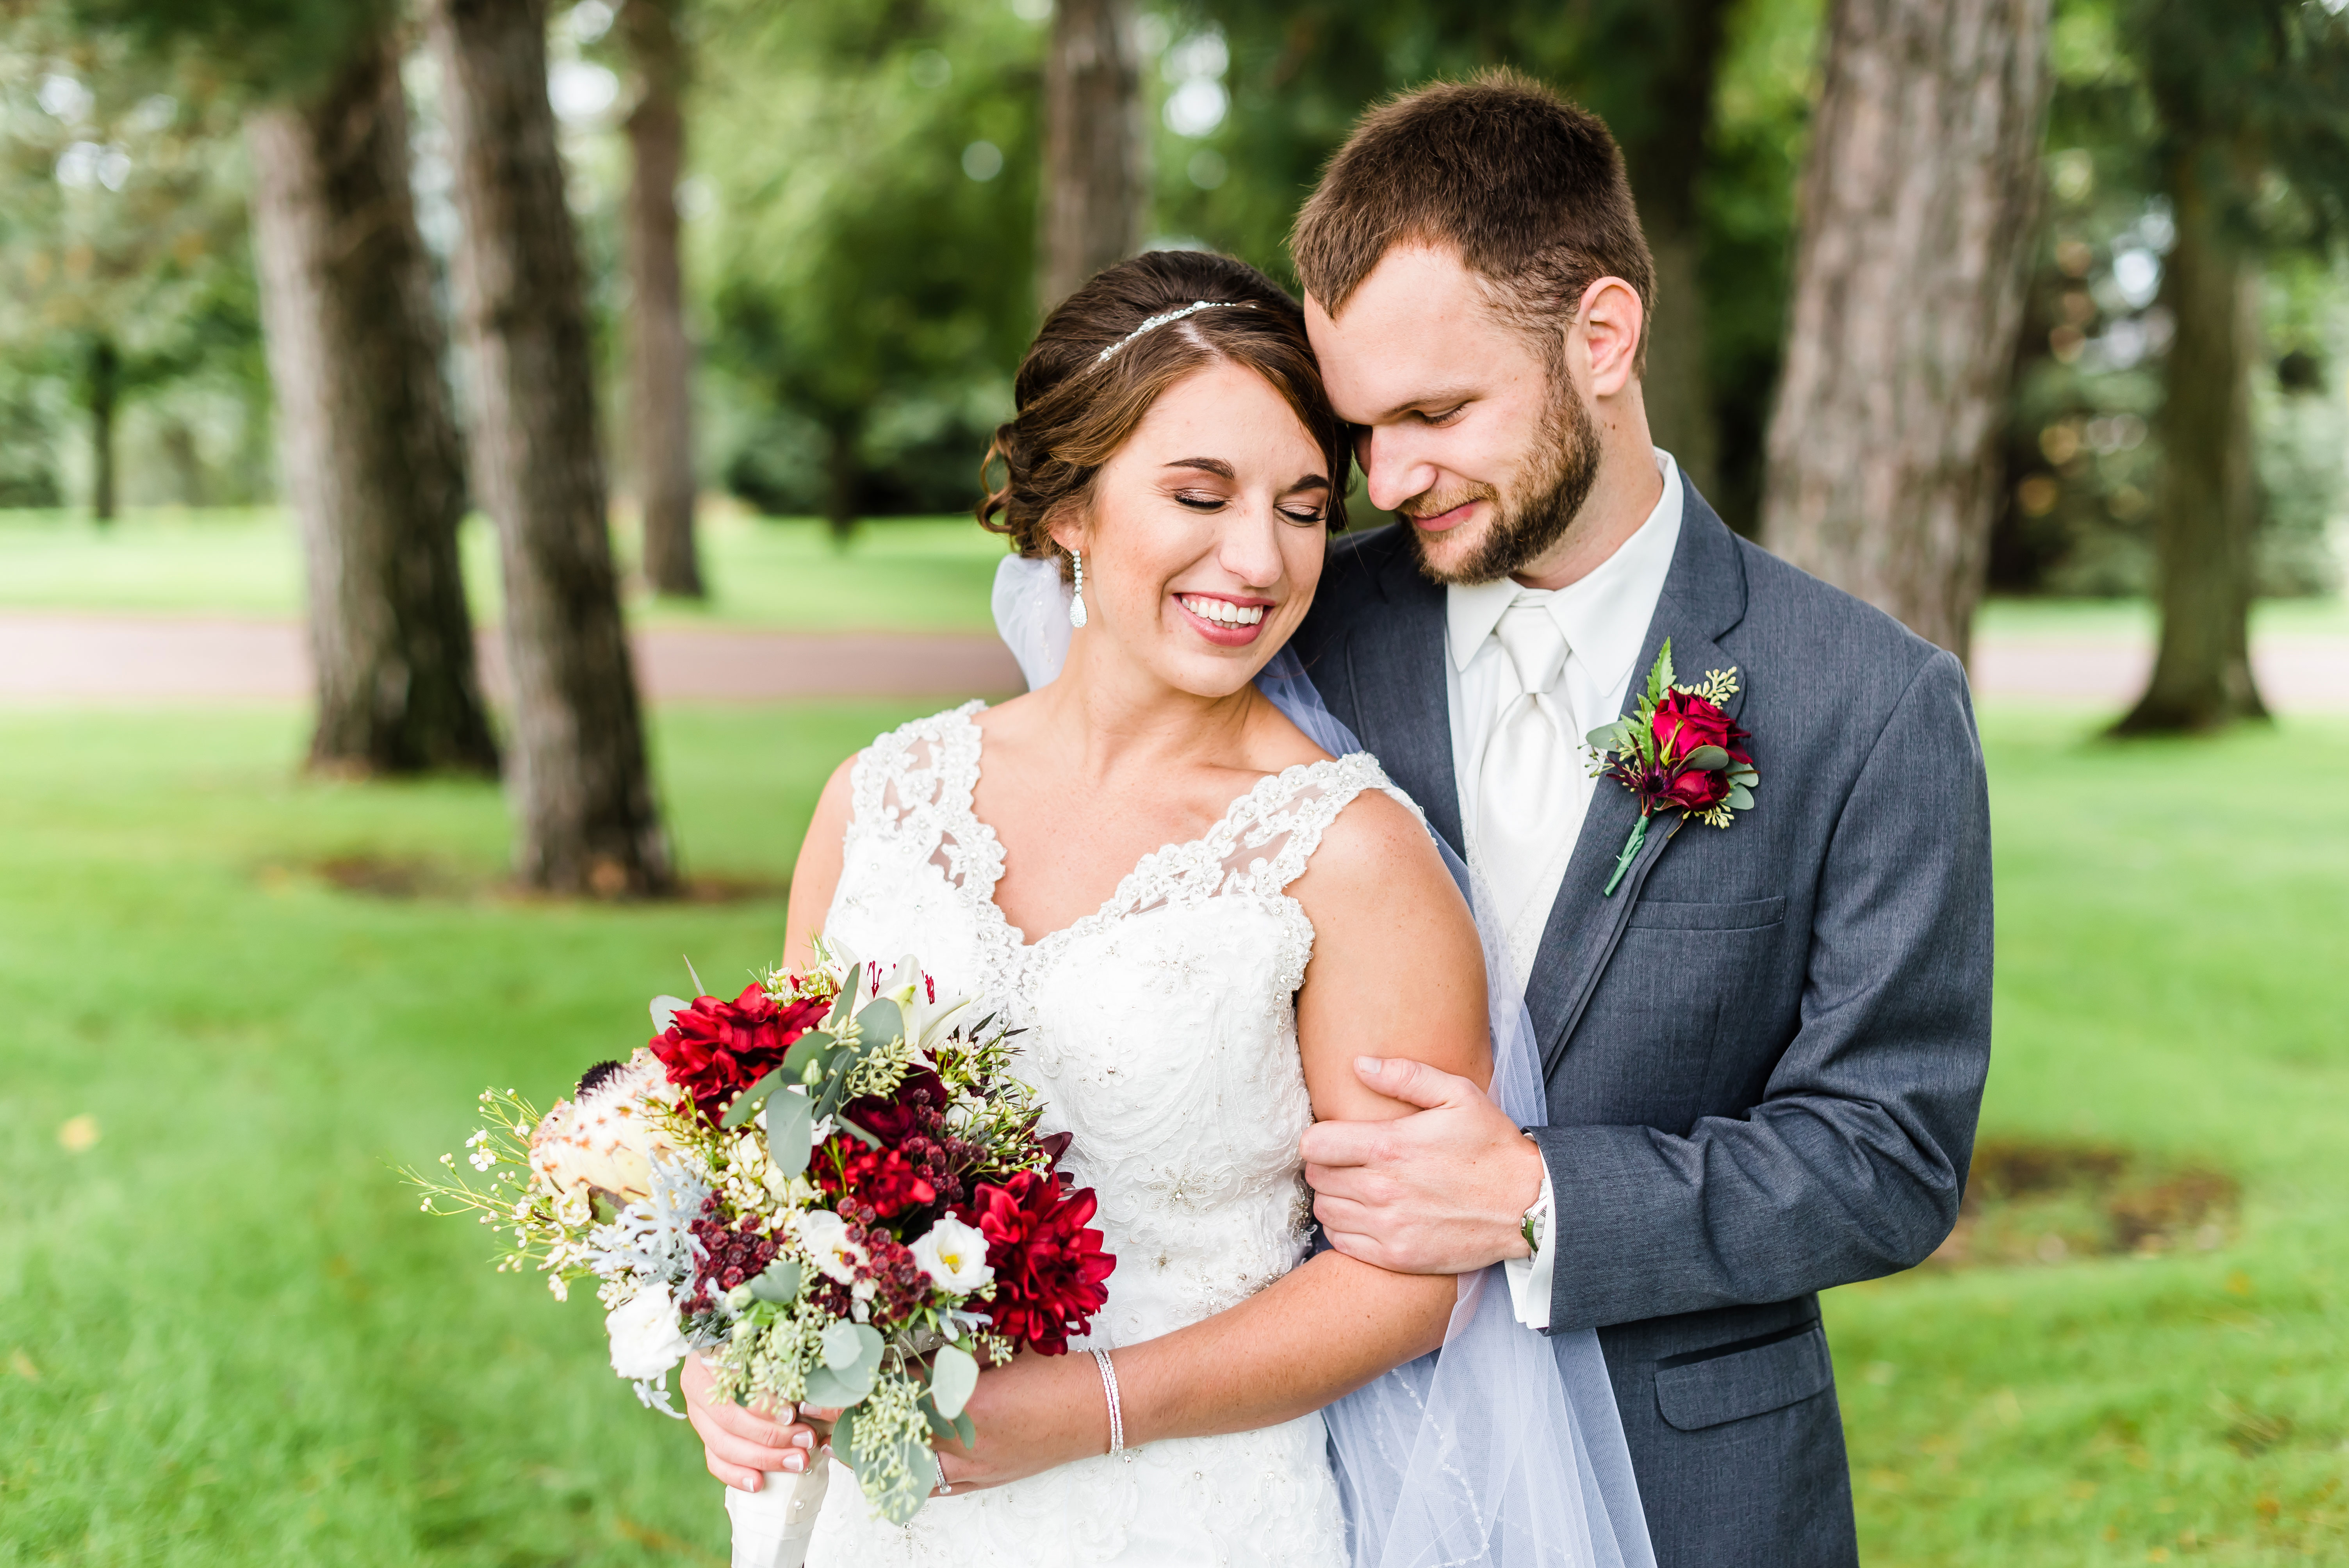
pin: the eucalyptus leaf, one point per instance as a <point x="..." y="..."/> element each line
<point x="1707" y="759"/>
<point x="790" y="1131"/>
<point x="954" y="1373"/>
<point x="840" y="1347"/>
<point x="844" y="1433"/>
<point x="847" y="1126"/>
<point x="746" y="1104"/>
<point x="966" y="1429"/>
<point x="939" y="1425"/>
<point x="878" y="1022"/>
<point x="779" y="1284"/>
<point x="831" y="1390"/>
<point x="1740" y="797"/>
<point x="809" y="1047"/>
<point x="665" y="1012"/>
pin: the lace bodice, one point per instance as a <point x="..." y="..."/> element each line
<point x="1161" y="1031"/>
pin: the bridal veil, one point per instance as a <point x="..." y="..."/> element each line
<point x="1505" y="1447"/>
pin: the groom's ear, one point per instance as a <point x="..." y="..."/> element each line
<point x="1605" y="335"/>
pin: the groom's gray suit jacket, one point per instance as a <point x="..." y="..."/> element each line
<point x="1766" y="1052"/>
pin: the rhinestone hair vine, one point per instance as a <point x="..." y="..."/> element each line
<point x="1194" y="308"/>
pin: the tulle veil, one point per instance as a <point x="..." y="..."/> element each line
<point x="1503" y="1449"/>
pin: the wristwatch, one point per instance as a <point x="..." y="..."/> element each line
<point x="1535" y="1225"/>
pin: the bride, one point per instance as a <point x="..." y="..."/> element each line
<point x="1199" y="918"/>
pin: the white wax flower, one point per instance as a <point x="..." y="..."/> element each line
<point x="825" y="1235"/>
<point x="644" y="1340"/>
<point x="954" y="1255"/>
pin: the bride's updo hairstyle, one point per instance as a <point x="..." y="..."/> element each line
<point x="1076" y="407"/>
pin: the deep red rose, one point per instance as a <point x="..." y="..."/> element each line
<point x="715" y="1050"/>
<point x="1689" y="790"/>
<point x="1048" y="1266"/>
<point x="882" y="1177"/>
<point x="1683" y="722"/>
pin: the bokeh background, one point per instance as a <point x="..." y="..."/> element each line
<point x="391" y="395"/>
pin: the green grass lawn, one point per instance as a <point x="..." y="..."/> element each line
<point x="897" y="573"/>
<point x="226" y="1336"/>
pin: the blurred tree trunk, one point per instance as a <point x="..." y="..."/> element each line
<point x="1919" y="192"/>
<point x="105" y="390"/>
<point x="1666" y="158"/>
<point x="1096" y="151"/>
<point x="2207" y="508"/>
<point x="661" y="359"/>
<point x="582" y="793"/>
<point x="371" y="457"/>
<point x="841" y="473"/>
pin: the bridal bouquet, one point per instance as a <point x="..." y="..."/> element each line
<point x="831" y="1188"/>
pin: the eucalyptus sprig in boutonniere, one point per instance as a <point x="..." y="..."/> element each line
<point x="1678" y="752"/>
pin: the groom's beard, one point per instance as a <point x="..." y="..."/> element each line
<point x="1536" y="513"/>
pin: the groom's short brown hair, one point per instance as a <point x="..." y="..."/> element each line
<point x="1530" y="190"/>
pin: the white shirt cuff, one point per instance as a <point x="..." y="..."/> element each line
<point x="1529" y="1278"/>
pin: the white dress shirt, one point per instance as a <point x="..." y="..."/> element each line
<point x="1604" y="618"/>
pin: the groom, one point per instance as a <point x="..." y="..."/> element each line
<point x="1764" y="1050"/>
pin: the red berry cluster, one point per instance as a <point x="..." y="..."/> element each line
<point x="899" y="1286"/>
<point x="728" y="1256"/>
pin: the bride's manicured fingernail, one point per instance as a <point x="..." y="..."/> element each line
<point x="1369" y="1064"/>
<point x="795" y="1463"/>
<point x="747" y="1483"/>
<point x="803" y="1438"/>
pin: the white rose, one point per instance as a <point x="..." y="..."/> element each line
<point x="644" y="1340"/>
<point x="954" y="1255"/>
<point x="825" y="1236"/>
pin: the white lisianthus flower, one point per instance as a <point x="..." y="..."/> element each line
<point x="825" y="1236"/>
<point x="644" y="1340"/>
<point x="954" y="1255"/>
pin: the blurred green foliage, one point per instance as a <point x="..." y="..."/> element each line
<point x="2084" y="449"/>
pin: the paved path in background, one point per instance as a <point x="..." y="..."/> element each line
<point x="54" y="659"/>
<point x="72" y="659"/>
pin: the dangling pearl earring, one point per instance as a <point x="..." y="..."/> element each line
<point x="1077" y="604"/>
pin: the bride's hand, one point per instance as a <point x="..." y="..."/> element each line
<point x="1036" y="1413"/>
<point x="738" y="1443"/>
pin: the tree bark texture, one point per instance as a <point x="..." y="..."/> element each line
<point x="367" y="438"/>
<point x="1665" y="157"/>
<point x="104" y="393"/>
<point x="581" y="794"/>
<point x="660" y="362"/>
<point x="1096" y="149"/>
<point x="1917" y="201"/>
<point x="2207" y="512"/>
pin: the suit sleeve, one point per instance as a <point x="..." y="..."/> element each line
<point x="1852" y="1164"/>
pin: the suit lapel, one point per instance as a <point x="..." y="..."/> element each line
<point x="1400" y="698"/>
<point x="1703" y="597"/>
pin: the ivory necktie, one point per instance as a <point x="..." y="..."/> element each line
<point x="1527" y="785"/>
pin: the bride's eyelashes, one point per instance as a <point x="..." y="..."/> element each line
<point x="1303" y="517"/>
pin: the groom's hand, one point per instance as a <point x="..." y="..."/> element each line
<point x="737" y="1443"/>
<point x="1441" y="1190"/>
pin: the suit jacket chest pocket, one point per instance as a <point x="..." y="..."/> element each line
<point x="1687" y="979"/>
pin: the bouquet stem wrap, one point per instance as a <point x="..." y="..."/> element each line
<point x="773" y="1525"/>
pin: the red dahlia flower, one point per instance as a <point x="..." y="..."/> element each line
<point x="1049" y="1266"/>
<point x="715" y="1050"/>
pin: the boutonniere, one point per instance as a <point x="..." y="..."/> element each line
<point x="1677" y="753"/>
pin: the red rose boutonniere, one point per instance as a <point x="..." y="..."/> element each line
<point x="1678" y="752"/>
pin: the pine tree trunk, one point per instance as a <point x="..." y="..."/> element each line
<point x="2208" y="507"/>
<point x="105" y="392"/>
<point x="661" y="361"/>
<point x="1096" y="151"/>
<point x="1666" y="162"/>
<point x="1920" y="187"/>
<point x="582" y="793"/>
<point x="367" y="443"/>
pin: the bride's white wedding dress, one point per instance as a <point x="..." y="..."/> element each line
<point x="1161" y="1031"/>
